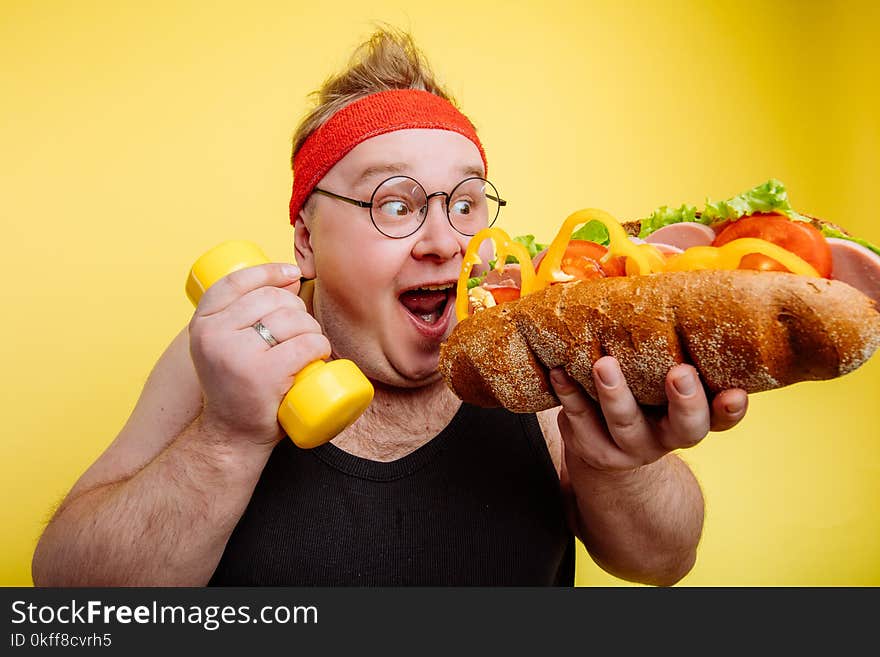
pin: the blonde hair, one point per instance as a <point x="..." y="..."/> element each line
<point x="389" y="59"/>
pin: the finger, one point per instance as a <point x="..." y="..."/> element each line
<point x="574" y="400"/>
<point x="687" y="420"/>
<point x="626" y="423"/>
<point x="728" y="408"/>
<point x="285" y="323"/>
<point x="291" y="356"/>
<point x="256" y="305"/>
<point x="238" y="283"/>
<point x="582" y="427"/>
<point x="294" y="287"/>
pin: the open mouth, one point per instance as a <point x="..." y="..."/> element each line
<point x="428" y="305"/>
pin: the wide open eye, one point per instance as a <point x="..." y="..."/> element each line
<point x="394" y="208"/>
<point x="461" y="206"/>
<point x="398" y="205"/>
<point x="398" y="198"/>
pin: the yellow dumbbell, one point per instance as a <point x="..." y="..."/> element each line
<point x="326" y="397"/>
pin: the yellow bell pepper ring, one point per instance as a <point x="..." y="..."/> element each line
<point x="504" y="246"/>
<point x="326" y="397"/>
<point x="730" y="255"/>
<point x="639" y="260"/>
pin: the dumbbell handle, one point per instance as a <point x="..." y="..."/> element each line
<point x="326" y="397"/>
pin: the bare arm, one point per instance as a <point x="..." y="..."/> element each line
<point x="637" y="508"/>
<point x="642" y="525"/>
<point x="159" y="504"/>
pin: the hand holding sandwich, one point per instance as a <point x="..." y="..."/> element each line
<point x="617" y="434"/>
<point x="636" y="507"/>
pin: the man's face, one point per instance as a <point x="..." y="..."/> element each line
<point x="365" y="282"/>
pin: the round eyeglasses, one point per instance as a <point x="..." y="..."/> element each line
<point x="399" y="205"/>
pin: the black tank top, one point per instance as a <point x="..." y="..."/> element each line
<point x="479" y="504"/>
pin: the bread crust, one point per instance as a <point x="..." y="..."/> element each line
<point x="739" y="329"/>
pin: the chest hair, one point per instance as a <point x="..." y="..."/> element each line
<point x="397" y="423"/>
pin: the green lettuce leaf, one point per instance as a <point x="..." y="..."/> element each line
<point x="592" y="231"/>
<point x="532" y="246"/>
<point x="664" y="216"/>
<point x="768" y="197"/>
<point x="476" y="280"/>
<point x="828" y="231"/>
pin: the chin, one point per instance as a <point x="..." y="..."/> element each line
<point x="411" y="384"/>
<point x="414" y="370"/>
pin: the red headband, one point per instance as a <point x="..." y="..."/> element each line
<point x="370" y="116"/>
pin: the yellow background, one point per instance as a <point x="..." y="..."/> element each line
<point x="136" y="135"/>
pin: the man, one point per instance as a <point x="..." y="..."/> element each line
<point x="201" y="485"/>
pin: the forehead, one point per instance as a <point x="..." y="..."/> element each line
<point x="434" y="157"/>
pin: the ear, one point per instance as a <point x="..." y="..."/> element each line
<point x="302" y="245"/>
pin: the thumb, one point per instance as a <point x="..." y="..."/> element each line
<point x="295" y="286"/>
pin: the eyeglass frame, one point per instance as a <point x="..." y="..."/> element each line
<point x="447" y="196"/>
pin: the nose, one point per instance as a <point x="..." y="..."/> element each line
<point x="437" y="238"/>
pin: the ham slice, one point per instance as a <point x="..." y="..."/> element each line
<point x="857" y="266"/>
<point x="683" y="235"/>
<point x="511" y="277"/>
<point x="667" y="249"/>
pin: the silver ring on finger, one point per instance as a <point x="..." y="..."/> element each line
<point x="265" y="333"/>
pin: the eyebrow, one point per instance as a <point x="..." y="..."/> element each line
<point x="402" y="167"/>
<point x="375" y="170"/>
<point x="472" y="171"/>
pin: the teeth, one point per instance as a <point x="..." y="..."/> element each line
<point x="445" y="286"/>
<point x="428" y="318"/>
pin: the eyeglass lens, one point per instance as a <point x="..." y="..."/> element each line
<point x="400" y="205"/>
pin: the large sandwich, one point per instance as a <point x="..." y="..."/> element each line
<point x="751" y="293"/>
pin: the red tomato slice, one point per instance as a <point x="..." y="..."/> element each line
<point x="798" y="237"/>
<point x="581" y="260"/>
<point x="502" y="294"/>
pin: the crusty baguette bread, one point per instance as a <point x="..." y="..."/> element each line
<point x="740" y="329"/>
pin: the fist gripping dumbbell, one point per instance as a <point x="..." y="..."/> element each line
<point x="326" y="397"/>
